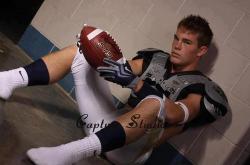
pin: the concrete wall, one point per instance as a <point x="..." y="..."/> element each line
<point x="137" y="24"/>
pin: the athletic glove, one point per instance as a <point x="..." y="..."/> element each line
<point x="118" y="72"/>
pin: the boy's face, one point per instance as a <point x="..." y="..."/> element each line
<point x="185" y="50"/>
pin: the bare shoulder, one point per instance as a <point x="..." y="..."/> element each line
<point x="136" y="66"/>
<point x="194" y="98"/>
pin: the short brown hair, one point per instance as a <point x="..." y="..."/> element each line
<point x="197" y="24"/>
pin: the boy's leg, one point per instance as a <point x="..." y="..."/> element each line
<point x="48" y="69"/>
<point x="114" y="136"/>
<point x="93" y="96"/>
<point x="95" y="100"/>
<point x="58" y="70"/>
<point x="59" y="63"/>
<point x="143" y="126"/>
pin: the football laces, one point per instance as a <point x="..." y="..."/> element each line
<point x="114" y="41"/>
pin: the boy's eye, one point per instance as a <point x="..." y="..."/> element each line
<point x="175" y="37"/>
<point x="187" y="42"/>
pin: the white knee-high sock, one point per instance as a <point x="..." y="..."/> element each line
<point x="12" y="79"/>
<point x="66" y="154"/>
<point x="93" y="96"/>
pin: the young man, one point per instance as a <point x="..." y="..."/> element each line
<point x="168" y="96"/>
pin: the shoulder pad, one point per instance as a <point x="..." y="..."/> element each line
<point x="156" y="69"/>
<point x="215" y="100"/>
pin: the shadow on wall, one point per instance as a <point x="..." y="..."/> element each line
<point x="212" y="133"/>
<point x="208" y="131"/>
<point x="208" y="61"/>
<point x="206" y="66"/>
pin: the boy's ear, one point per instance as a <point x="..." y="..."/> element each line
<point x="202" y="51"/>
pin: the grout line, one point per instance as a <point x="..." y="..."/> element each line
<point x="241" y="101"/>
<point x="180" y="7"/>
<point x="76" y="9"/>
<point x="234" y="27"/>
<point x="64" y="92"/>
<point x="194" y="141"/>
<point x="72" y="90"/>
<point x="240" y="77"/>
<point x="238" y="157"/>
<point x="226" y="138"/>
<point x="145" y="16"/>
<point x="52" y="48"/>
<point x="240" y="54"/>
<point x="235" y="145"/>
<point x="241" y="152"/>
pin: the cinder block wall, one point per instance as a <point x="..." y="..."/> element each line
<point x="138" y="24"/>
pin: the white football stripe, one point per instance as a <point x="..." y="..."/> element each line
<point x="122" y="60"/>
<point x="94" y="33"/>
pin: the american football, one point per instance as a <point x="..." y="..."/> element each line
<point x="96" y="44"/>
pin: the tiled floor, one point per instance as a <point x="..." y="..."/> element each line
<point x="34" y="116"/>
